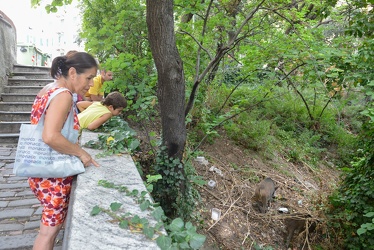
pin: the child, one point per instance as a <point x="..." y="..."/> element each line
<point x="94" y="114"/>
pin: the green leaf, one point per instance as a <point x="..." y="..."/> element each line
<point x="184" y="245"/>
<point x="134" y="192"/>
<point x="158" y="226"/>
<point x="95" y="210"/>
<point x="149" y="232"/>
<point x="190" y="227"/>
<point x="370" y="214"/>
<point x="164" y="242"/>
<point x="361" y="231"/>
<point x="134" y="144"/>
<point x="176" y="225"/>
<point x="158" y="213"/>
<point x="115" y="206"/>
<point x="136" y="219"/>
<point x="198" y="180"/>
<point x="124" y="224"/>
<point x="153" y="178"/>
<point x="197" y="240"/>
<point x="145" y="205"/>
<point x="149" y="188"/>
<point x="143" y="193"/>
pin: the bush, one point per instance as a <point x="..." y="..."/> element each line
<point x="353" y="203"/>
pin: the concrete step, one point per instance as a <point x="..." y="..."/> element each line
<point x="30" y="75"/>
<point x="12" y="116"/>
<point x="26" y="68"/>
<point x="11" y="127"/>
<point x="15" y="106"/>
<point x="15" y="97"/>
<point x="32" y="90"/>
<point x="9" y="137"/>
<point x="28" y="82"/>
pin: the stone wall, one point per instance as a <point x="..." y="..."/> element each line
<point x="84" y="231"/>
<point x="8" y="47"/>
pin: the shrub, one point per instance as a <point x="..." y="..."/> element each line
<point x="353" y="203"/>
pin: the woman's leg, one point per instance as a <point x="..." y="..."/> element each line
<point x="54" y="194"/>
<point x="46" y="237"/>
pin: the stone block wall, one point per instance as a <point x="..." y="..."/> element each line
<point x="8" y="48"/>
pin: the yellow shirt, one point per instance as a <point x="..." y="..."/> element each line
<point x="91" y="113"/>
<point x="96" y="89"/>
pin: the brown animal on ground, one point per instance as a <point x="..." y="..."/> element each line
<point x="263" y="194"/>
<point x="297" y="223"/>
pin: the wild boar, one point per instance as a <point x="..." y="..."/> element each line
<point x="263" y="194"/>
<point x="297" y="223"/>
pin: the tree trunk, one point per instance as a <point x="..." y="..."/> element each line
<point x="171" y="83"/>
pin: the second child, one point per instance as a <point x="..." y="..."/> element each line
<point x="94" y="114"/>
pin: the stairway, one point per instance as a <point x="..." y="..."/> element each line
<point x="17" y="98"/>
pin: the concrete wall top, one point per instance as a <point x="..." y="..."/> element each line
<point x="84" y="231"/>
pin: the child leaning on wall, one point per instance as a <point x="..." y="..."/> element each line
<point x="94" y="114"/>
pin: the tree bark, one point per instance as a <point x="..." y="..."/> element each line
<point x="171" y="82"/>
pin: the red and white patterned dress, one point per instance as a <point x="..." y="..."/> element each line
<point x="53" y="193"/>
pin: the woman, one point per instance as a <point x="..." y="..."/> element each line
<point x="75" y="73"/>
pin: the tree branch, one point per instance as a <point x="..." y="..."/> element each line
<point x="220" y="53"/>
<point x="197" y="42"/>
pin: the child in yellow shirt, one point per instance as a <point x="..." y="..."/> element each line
<point x="94" y="114"/>
<point x="95" y="92"/>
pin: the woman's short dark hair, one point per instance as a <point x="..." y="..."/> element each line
<point x="81" y="61"/>
<point x="116" y="99"/>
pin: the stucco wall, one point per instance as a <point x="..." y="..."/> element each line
<point x="8" y="47"/>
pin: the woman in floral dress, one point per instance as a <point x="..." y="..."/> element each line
<point x="75" y="73"/>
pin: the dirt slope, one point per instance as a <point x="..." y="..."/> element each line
<point x="301" y="189"/>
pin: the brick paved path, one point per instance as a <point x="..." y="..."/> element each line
<point x="19" y="209"/>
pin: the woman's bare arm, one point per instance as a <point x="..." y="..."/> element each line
<point x="54" y="121"/>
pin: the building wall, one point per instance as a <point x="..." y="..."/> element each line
<point x="52" y="34"/>
<point x="8" y="46"/>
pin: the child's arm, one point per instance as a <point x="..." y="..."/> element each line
<point x="99" y="121"/>
<point x="82" y="105"/>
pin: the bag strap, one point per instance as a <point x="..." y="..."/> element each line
<point x="56" y="92"/>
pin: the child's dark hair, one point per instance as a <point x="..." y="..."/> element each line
<point x="81" y="61"/>
<point x="116" y="99"/>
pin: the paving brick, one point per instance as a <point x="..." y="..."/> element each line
<point x="23" y="202"/>
<point x="32" y="224"/>
<point x="7" y="172"/>
<point x="16" y="213"/>
<point x="12" y="233"/>
<point x="35" y="218"/>
<point x="24" y="241"/>
<point x="4" y="204"/>
<point x="11" y="227"/>
<point x="7" y="159"/>
<point x="27" y="192"/>
<point x="5" y="152"/>
<point x="14" y="185"/>
<point x="16" y="178"/>
<point x="7" y="194"/>
<point x="9" y="165"/>
<point x="39" y="211"/>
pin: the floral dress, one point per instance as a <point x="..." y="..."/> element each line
<point x="53" y="193"/>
